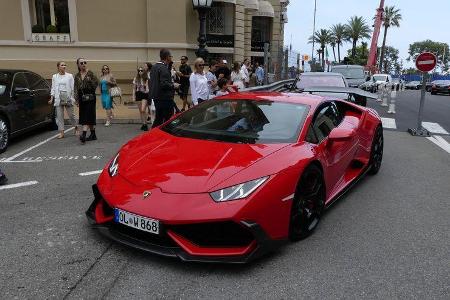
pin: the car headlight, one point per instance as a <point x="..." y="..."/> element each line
<point x="238" y="191"/>
<point x="113" y="168"/>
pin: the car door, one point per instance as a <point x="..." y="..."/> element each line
<point x="21" y="103"/>
<point x="333" y="155"/>
<point x="40" y="91"/>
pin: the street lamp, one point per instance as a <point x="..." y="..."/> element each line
<point x="202" y="6"/>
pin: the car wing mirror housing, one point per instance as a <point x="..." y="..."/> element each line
<point x="341" y="134"/>
<point x="21" y="91"/>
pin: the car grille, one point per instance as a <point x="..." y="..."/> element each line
<point x="161" y="239"/>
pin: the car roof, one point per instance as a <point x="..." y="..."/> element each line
<point x="297" y="98"/>
<point x="347" y="67"/>
<point x="13" y="70"/>
<point x="321" y="74"/>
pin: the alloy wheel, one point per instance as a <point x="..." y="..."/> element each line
<point x="4" y="135"/>
<point x="377" y="151"/>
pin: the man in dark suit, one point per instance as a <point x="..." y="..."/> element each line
<point x="162" y="88"/>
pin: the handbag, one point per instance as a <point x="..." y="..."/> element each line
<point x="87" y="97"/>
<point x="64" y="98"/>
<point x="115" y="92"/>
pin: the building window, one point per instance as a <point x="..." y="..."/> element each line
<point x="261" y="32"/>
<point x="220" y="19"/>
<point x="50" y="16"/>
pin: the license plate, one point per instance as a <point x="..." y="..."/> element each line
<point x="135" y="221"/>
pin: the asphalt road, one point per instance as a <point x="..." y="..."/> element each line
<point x="388" y="238"/>
<point x="436" y="110"/>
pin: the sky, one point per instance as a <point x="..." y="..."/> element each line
<point x="418" y="22"/>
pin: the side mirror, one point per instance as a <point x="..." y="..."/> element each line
<point x="341" y="134"/>
<point x="21" y="91"/>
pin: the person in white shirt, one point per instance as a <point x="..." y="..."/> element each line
<point x="199" y="83"/>
<point x="238" y="76"/>
<point x="212" y="79"/>
<point x="245" y="71"/>
<point x="62" y="96"/>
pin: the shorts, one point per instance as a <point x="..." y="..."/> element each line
<point x="184" y="90"/>
<point x="141" y="96"/>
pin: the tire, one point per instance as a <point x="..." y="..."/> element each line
<point x="308" y="204"/>
<point x="433" y="93"/>
<point x="376" y="153"/>
<point x="4" y="134"/>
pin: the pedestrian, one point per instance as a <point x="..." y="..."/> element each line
<point x="141" y="95"/>
<point x="238" y="76"/>
<point x="184" y="73"/>
<point x="85" y="85"/>
<point x="162" y="89"/>
<point x="3" y="178"/>
<point x="222" y="83"/>
<point x="199" y="83"/>
<point x="259" y="72"/>
<point x="62" y="97"/>
<point x="222" y="70"/>
<point x="175" y="80"/>
<point x="107" y="81"/>
<point x="245" y="70"/>
<point x="150" y="104"/>
<point x="212" y="79"/>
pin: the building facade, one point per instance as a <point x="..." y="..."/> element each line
<point x="35" y="34"/>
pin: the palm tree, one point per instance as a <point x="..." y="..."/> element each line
<point x="333" y="45"/>
<point x="338" y="32"/>
<point x="391" y="17"/>
<point x="321" y="37"/>
<point x="357" y="29"/>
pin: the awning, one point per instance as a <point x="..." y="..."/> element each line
<point x="252" y="5"/>
<point x="265" y="10"/>
<point x="226" y="1"/>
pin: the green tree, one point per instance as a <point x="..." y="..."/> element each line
<point x="391" y="60"/>
<point x="441" y="50"/>
<point x="338" y="34"/>
<point x="391" y="18"/>
<point x="321" y="37"/>
<point x="356" y="29"/>
<point x="361" y="55"/>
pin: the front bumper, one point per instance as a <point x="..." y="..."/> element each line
<point x="249" y="240"/>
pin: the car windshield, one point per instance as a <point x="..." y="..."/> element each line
<point x="442" y="82"/>
<point x="4" y="81"/>
<point x="350" y="73"/>
<point x="379" y="77"/>
<point x="240" y="121"/>
<point x="319" y="80"/>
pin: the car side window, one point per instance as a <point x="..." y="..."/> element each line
<point x="19" y="81"/>
<point x="36" y="82"/>
<point x="324" y="122"/>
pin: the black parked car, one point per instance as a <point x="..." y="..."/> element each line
<point x="440" y="87"/>
<point x="23" y="104"/>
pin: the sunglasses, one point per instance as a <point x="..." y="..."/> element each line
<point x="202" y="65"/>
<point x="83" y="62"/>
<point x="105" y="69"/>
<point x="140" y="70"/>
<point x="62" y="65"/>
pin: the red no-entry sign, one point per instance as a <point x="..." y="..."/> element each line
<point x="426" y="62"/>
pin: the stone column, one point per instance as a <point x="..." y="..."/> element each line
<point x="239" y="32"/>
<point x="248" y="33"/>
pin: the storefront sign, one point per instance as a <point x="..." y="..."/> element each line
<point x="51" y="37"/>
<point x="217" y="40"/>
<point x="258" y="46"/>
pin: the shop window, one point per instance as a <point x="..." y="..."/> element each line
<point x="50" y="16"/>
<point x="261" y="32"/>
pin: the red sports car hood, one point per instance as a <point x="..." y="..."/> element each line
<point x="182" y="165"/>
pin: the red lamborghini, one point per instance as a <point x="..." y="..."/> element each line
<point x="232" y="178"/>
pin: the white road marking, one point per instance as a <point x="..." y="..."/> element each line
<point x="389" y="123"/>
<point x="17" y="185"/>
<point x="441" y="142"/>
<point x="434" y="128"/>
<point x="35" y="146"/>
<point x="90" y="173"/>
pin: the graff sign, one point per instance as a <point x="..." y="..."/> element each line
<point x="51" y="37"/>
<point x="217" y="40"/>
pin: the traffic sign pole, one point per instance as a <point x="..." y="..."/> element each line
<point x="425" y="62"/>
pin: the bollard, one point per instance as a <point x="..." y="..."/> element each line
<point x="391" y="109"/>
<point x="380" y="93"/>
<point x="386" y="95"/>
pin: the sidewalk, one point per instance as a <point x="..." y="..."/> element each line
<point x="126" y="112"/>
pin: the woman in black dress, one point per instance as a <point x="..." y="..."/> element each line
<point x="85" y="85"/>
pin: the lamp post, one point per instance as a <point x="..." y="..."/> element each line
<point x="202" y="6"/>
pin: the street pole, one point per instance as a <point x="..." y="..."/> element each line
<point x="314" y="30"/>
<point x="422" y="102"/>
